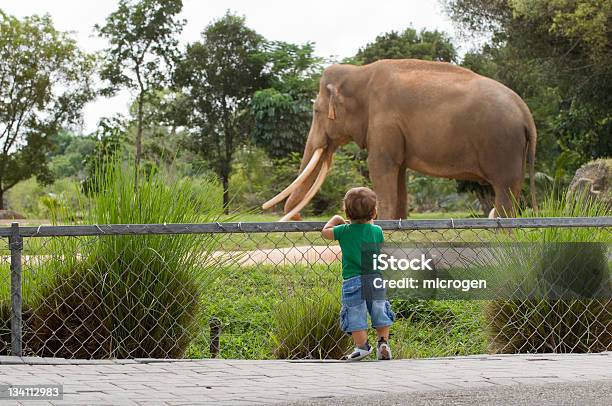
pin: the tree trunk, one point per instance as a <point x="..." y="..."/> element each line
<point x="1" y="199"/>
<point x="225" y="180"/>
<point x="227" y="165"/>
<point x="138" y="139"/>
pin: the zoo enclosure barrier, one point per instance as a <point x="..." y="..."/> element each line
<point x="259" y="290"/>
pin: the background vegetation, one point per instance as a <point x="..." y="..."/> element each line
<point x="235" y="107"/>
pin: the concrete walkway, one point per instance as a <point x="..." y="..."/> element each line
<point x="187" y="382"/>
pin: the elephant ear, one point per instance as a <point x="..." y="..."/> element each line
<point x="333" y="94"/>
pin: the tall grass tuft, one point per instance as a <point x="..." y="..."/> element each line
<point x="306" y="326"/>
<point x="126" y="296"/>
<point x="558" y="261"/>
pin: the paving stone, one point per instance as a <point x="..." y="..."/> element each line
<point x="146" y="381"/>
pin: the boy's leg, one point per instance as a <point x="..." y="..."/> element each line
<point x="360" y="337"/>
<point x="382" y="318"/>
<point x="383" y="332"/>
<point x="362" y="347"/>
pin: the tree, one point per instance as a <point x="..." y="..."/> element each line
<point x="44" y="83"/>
<point x="218" y="77"/>
<point x="66" y="158"/>
<point x="428" y="45"/>
<point x="143" y="50"/>
<point x="282" y="113"/>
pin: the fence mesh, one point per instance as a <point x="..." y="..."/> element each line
<point x="5" y="306"/>
<point x="262" y="295"/>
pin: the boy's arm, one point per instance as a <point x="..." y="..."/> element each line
<point x="328" y="229"/>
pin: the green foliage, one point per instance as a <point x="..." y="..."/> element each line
<point x="68" y="154"/>
<point x="110" y="137"/>
<point x="251" y="178"/>
<point x="145" y="291"/>
<point x="434" y="194"/>
<point x="143" y="50"/>
<point x="35" y="201"/>
<point x="581" y="131"/>
<point x="218" y="77"/>
<point x="44" y="83"/>
<point x="281" y="122"/>
<point x="143" y="44"/>
<point x="439" y="328"/>
<point x="293" y="69"/>
<point x="282" y="113"/>
<point x="305" y="326"/>
<point x="428" y="45"/>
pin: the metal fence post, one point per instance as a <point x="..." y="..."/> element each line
<point x="215" y="334"/>
<point x="16" y="248"/>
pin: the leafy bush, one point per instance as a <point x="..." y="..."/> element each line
<point x="307" y="326"/>
<point x="37" y="201"/>
<point x="250" y="182"/>
<point x="125" y="296"/>
<point x="557" y="258"/>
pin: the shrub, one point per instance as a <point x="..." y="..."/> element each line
<point x="556" y="259"/>
<point x="125" y="296"/>
<point x="306" y="326"/>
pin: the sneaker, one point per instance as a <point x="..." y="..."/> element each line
<point x="383" y="351"/>
<point x="358" y="354"/>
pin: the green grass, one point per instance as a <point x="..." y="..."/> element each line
<point x="247" y="300"/>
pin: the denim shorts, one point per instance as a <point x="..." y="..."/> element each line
<point x="355" y="308"/>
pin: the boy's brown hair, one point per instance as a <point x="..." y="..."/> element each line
<point x="360" y="204"/>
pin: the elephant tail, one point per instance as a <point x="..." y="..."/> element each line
<point x="531" y="135"/>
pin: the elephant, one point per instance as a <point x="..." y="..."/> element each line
<point x="432" y="117"/>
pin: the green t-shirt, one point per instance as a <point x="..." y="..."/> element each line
<point x="353" y="238"/>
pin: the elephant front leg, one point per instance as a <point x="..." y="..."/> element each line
<point x="385" y="175"/>
<point x="402" y="195"/>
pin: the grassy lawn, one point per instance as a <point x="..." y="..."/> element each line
<point x="245" y="298"/>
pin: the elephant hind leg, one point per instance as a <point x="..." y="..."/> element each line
<point x="507" y="197"/>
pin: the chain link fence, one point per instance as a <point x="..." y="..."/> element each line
<point x="265" y="290"/>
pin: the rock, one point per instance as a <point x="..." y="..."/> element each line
<point x="10" y="215"/>
<point x="595" y="179"/>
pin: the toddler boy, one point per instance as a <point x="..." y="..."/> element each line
<point x="354" y="236"/>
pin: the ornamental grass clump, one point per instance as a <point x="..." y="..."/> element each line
<point x="306" y="326"/>
<point x="563" y="299"/>
<point x="126" y="296"/>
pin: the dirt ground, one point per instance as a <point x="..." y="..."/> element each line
<point x="311" y="254"/>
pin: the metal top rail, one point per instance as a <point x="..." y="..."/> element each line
<point x="301" y="226"/>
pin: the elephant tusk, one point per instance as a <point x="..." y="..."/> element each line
<point x="313" y="190"/>
<point x="314" y="160"/>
